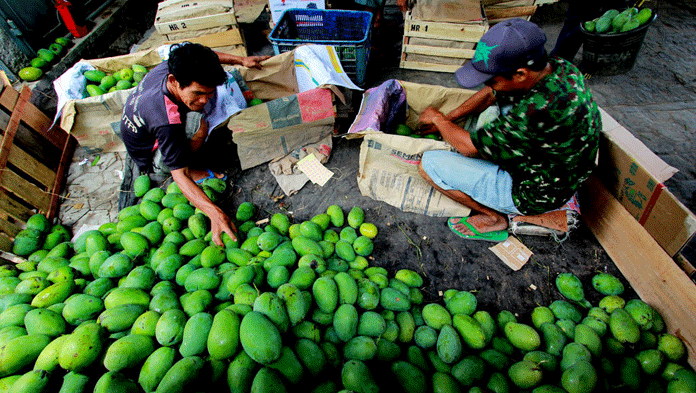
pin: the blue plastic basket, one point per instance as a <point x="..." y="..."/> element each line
<point x="347" y="31"/>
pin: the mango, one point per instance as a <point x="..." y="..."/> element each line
<point x="82" y="347"/>
<point x="127" y="352"/>
<point x="260" y="338"/>
<point x="522" y="336"/>
<point x="155" y="367"/>
<point x="623" y="327"/>
<point x="409" y="377"/>
<point x="607" y="284"/>
<point x="195" y="336"/>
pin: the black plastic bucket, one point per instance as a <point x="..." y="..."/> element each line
<point x="612" y="54"/>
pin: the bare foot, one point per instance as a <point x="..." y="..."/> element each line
<point x="198" y="174"/>
<point x="483" y="223"/>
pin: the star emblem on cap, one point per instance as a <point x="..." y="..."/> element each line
<point x="483" y="52"/>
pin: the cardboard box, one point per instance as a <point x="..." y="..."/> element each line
<point x="289" y="118"/>
<point x="177" y="17"/>
<point x="456" y="11"/>
<point x="439" y="46"/>
<point x="635" y="176"/>
<point x="34" y="158"/>
<point x="641" y="236"/>
<point x="96" y="121"/>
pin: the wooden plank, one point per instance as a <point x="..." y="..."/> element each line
<point x="418" y="65"/>
<point x="5" y="243"/>
<point x="14" y="208"/>
<point x="444" y="31"/>
<point x="9" y="228"/>
<point x="8" y="99"/>
<point x="60" y="178"/>
<point x="438" y="51"/>
<point x="198" y="23"/>
<point x="31" y="166"/>
<point x="8" y="256"/>
<point x="12" y="125"/>
<point x="25" y="190"/>
<point x="513" y="12"/>
<point x="654" y="276"/>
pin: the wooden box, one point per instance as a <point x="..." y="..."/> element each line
<point x="34" y="158"/>
<point x="439" y="46"/>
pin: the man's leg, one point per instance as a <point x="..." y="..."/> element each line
<point x="488" y="220"/>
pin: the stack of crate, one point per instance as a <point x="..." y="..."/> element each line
<point x="209" y="22"/>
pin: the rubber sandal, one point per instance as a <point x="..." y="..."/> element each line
<point x="495" y="236"/>
<point x="211" y="175"/>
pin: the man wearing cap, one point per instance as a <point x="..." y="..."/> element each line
<point x="533" y="156"/>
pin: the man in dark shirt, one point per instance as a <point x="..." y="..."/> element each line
<point x="164" y="121"/>
<point x="535" y="154"/>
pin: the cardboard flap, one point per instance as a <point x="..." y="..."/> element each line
<point x="275" y="80"/>
<point x="644" y="156"/>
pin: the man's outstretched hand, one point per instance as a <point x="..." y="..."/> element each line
<point x="254" y="61"/>
<point x="220" y="223"/>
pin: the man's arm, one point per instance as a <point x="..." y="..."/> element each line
<point x="249" y="61"/>
<point x="219" y="221"/>
<point x="476" y="104"/>
<point x="456" y="136"/>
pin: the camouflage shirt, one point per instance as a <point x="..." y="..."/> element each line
<point x="547" y="142"/>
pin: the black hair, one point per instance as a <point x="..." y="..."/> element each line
<point x="537" y="64"/>
<point x="190" y="63"/>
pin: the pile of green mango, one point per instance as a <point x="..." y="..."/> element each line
<point x="403" y="129"/>
<point x="149" y="303"/>
<point x="44" y="59"/>
<point x="613" y="21"/>
<point x="99" y="82"/>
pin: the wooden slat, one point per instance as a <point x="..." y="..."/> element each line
<point x="59" y="181"/>
<point x="654" y="276"/>
<point x="9" y="228"/>
<point x="444" y="31"/>
<point x="8" y="256"/>
<point x="418" y="65"/>
<point x="8" y="98"/>
<point x="5" y="243"/>
<point x="438" y="51"/>
<point x="513" y="12"/>
<point x="14" y="208"/>
<point x="11" y="130"/>
<point x="31" y="166"/>
<point x="29" y="192"/>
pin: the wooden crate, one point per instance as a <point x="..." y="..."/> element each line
<point x="34" y="158"/>
<point x="439" y="46"/>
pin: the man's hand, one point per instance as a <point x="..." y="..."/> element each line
<point x="220" y="223"/>
<point x="254" y="61"/>
<point x="426" y="121"/>
<point x="402" y="4"/>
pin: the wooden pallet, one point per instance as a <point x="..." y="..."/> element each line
<point x="34" y="158"/>
<point x="439" y="46"/>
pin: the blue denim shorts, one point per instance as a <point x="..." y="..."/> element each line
<point x="482" y="180"/>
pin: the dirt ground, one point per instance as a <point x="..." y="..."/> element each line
<point x="656" y="100"/>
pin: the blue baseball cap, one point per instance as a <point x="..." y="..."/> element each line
<point x="507" y="46"/>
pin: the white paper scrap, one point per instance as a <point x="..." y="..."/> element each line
<point x="315" y="170"/>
